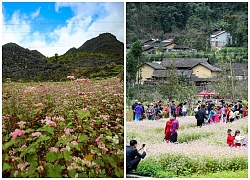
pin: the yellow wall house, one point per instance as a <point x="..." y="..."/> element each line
<point x="148" y="69"/>
<point x="205" y="70"/>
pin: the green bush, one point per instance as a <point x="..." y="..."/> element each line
<point x="181" y="165"/>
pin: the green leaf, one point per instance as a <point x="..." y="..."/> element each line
<point x="5" y="167"/>
<point x="29" y="130"/>
<point x="119" y="173"/>
<point x="72" y="173"/>
<point x="20" y="116"/>
<point x="51" y="156"/>
<point x="31" y="148"/>
<point x="32" y="168"/>
<point x="66" y="155"/>
<point x="108" y="132"/>
<point x="8" y="144"/>
<point x="58" y="170"/>
<point x="46" y="128"/>
<point x="43" y="138"/>
<point x="83" y="137"/>
<point x="53" y="172"/>
<point x="69" y="124"/>
<point x="83" y="114"/>
<point x="31" y="157"/>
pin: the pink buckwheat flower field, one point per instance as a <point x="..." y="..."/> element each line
<point x="200" y="152"/>
<point x="64" y="129"/>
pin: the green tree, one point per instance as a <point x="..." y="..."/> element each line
<point x="136" y="52"/>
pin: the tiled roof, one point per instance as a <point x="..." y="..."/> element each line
<point x="183" y="62"/>
<point x="156" y="66"/>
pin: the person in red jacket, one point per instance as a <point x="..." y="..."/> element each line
<point x="167" y="129"/>
<point x="230" y="138"/>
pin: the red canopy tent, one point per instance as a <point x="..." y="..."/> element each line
<point x="203" y="93"/>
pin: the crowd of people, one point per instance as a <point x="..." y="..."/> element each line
<point x="154" y="111"/>
<point x="222" y="113"/>
<point x="204" y="113"/>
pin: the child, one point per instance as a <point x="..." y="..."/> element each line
<point x="230" y="138"/>
<point x="238" y="138"/>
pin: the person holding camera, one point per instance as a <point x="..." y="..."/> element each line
<point x="133" y="157"/>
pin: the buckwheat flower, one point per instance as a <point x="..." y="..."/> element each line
<point x="104" y="151"/>
<point x="68" y="130"/>
<point x="76" y="176"/>
<point x="119" y="152"/>
<point x="22" y="148"/>
<point x="52" y="124"/>
<point x="53" y="149"/>
<point x="97" y="139"/>
<point x="93" y="151"/>
<point x="38" y="105"/>
<point x="71" y="77"/>
<point x="98" y="169"/>
<point x="40" y="168"/>
<point x="74" y="143"/>
<point x="80" y="93"/>
<point x="63" y="137"/>
<point x="66" y="94"/>
<point x="3" y="126"/>
<point x="16" y="173"/>
<point x="25" y="92"/>
<point x="67" y="148"/>
<point x="21" y="124"/>
<point x="100" y="144"/>
<point x="4" y="118"/>
<point x="85" y="110"/>
<point x="17" y="133"/>
<point x="36" y="134"/>
<point x="104" y="100"/>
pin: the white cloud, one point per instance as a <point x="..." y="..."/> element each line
<point x="36" y="14"/>
<point x="73" y="34"/>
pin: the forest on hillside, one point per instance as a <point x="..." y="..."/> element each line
<point x="188" y="23"/>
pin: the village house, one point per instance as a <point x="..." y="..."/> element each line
<point x="220" y="38"/>
<point x="198" y="70"/>
<point x="239" y="70"/>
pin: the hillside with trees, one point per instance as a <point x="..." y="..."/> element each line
<point x="101" y="56"/>
<point x="188" y="23"/>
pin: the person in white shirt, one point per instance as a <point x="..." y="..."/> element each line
<point x="238" y="139"/>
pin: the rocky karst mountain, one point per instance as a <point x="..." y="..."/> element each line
<point x="100" y="56"/>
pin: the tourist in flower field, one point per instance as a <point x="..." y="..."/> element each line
<point x="138" y="111"/>
<point x="133" y="157"/>
<point x="211" y="115"/>
<point x="151" y="112"/>
<point x="184" y="109"/>
<point x="172" y="108"/>
<point x="167" y="129"/>
<point x="133" y="108"/>
<point x="166" y="111"/>
<point x="200" y="115"/>
<point x="223" y="114"/>
<point x="238" y="138"/>
<point x="173" y="129"/>
<point x="231" y="115"/>
<point x="230" y="138"/>
<point x="216" y="115"/>
<point x="143" y="113"/>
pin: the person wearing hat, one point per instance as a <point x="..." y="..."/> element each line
<point x="138" y="111"/>
<point x="133" y="157"/>
<point x="133" y="108"/>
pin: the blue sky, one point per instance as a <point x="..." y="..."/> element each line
<point x="56" y="27"/>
